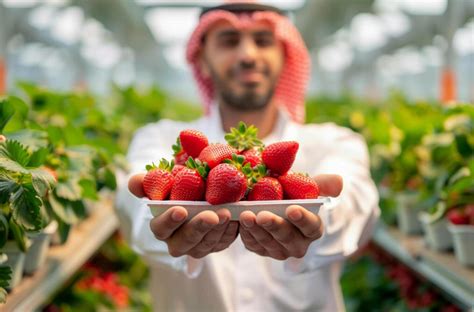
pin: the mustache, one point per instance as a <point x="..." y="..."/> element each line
<point x="245" y="67"/>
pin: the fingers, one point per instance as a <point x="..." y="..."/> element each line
<point x="309" y="224"/>
<point x="213" y="237"/>
<point x="191" y="233"/>
<point x="135" y="185"/>
<point x="283" y="232"/>
<point x="251" y="243"/>
<point x="229" y="236"/>
<point x="273" y="248"/>
<point x="329" y="184"/>
<point x="163" y="226"/>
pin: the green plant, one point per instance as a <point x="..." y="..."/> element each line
<point x="448" y="162"/>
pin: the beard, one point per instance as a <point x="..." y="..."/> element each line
<point x="248" y="100"/>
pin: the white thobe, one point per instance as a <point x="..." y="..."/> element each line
<point x="239" y="280"/>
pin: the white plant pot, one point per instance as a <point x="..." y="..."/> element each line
<point x="436" y="233"/>
<point x="16" y="260"/>
<point x="463" y="239"/>
<point x="407" y="213"/>
<point x="37" y="253"/>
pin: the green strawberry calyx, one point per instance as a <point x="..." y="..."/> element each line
<point x="243" y="137"/>
<point x="177" y="148"/>
<point x="164" y="165"/>
<point x="201" y="167"/>
<point x="252" y="174"/>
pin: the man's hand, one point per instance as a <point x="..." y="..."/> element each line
<point x="205" y="233"/>
<point x="270" y="235"/>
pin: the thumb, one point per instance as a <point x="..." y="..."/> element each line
<point x="329" y="184"/>
<point x="135" y="185"/>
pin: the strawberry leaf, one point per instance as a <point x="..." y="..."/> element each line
<point x="3" y="231"/>
<point x="42" y="180"/>
<point x="34" y="139"/>
<point x="7" y="186"/>
<point x="25" y="204"/>
<point x="18" y="234"/>
<point x="89" y="189"/>
<point x="38" y="157"/>
<point x="70" y="189"/>
<point x="62" y="209"/>
<point x="15" y="151"/>
<point x="5" y="277"/>
<point x="7" y="110"/>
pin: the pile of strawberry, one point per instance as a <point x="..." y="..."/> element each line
<point x="242" y="169"/>
<point x="463" y="215"/>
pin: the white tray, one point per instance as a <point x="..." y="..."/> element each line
<point x="278" y="207"/>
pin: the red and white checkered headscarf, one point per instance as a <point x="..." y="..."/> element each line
<point x="291" y="86"/>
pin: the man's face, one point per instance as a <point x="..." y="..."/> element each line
<point x="243" y="64"/>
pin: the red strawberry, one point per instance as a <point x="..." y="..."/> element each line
<point x="225" y="184"/>
<point x="298" y="186"/>
<point x="266" y="188"/>
<point x="469" y="210"/>
<point x="177" y="169"/>
<point x="252" y="156"/>
<point x="158" y="181"/>
<point x="189" y="182"/>
<point x="188" y="185"/>
<point x="2" y="138"/>
<point x="215" y="154"/>
<point x="457" y="216"/>
<point x="279" y="157"/>
<point x="193" y="142"/>
<point x="180" y="156"/>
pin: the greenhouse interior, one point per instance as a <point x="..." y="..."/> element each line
<point x="136" y="134"/>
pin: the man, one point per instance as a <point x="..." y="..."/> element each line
<point x="251" y="65"/>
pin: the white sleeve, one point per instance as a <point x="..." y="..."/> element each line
<point x="135" y="216"/>
<point x="350" y="218"/>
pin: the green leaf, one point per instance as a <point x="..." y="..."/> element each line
<point x="109" y="178"/>
<point x="6" y="112"/>
<point x="463" y="147"/>
<point x="89" y="189"/>
<point x="15" y="151"/>
<point x="19" y="235"/>
<point x="18" y="119"/>
<point x="38" y="157"/>
<point x="11" y="165"/>
<point x="3" y="231"/>
<point x="63" y="229"/>
<point x="34" y="139"/>
<point x="42" y="181"/>
<point x="25" y="204"/>
<point x="62" y="209"/>
<point x="3" y="292"/>
<point x="5" y="277"/>
<point x="70" y="189"/>
<point x="7" y="186"/>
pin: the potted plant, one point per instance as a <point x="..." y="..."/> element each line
<point x="23" y="186"/>
<point x="461" y="226"/>
<point x="447" y="170"/>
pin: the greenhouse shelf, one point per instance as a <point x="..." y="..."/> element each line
<point x="440" y="268"/>
<point x="63" y="261"/>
